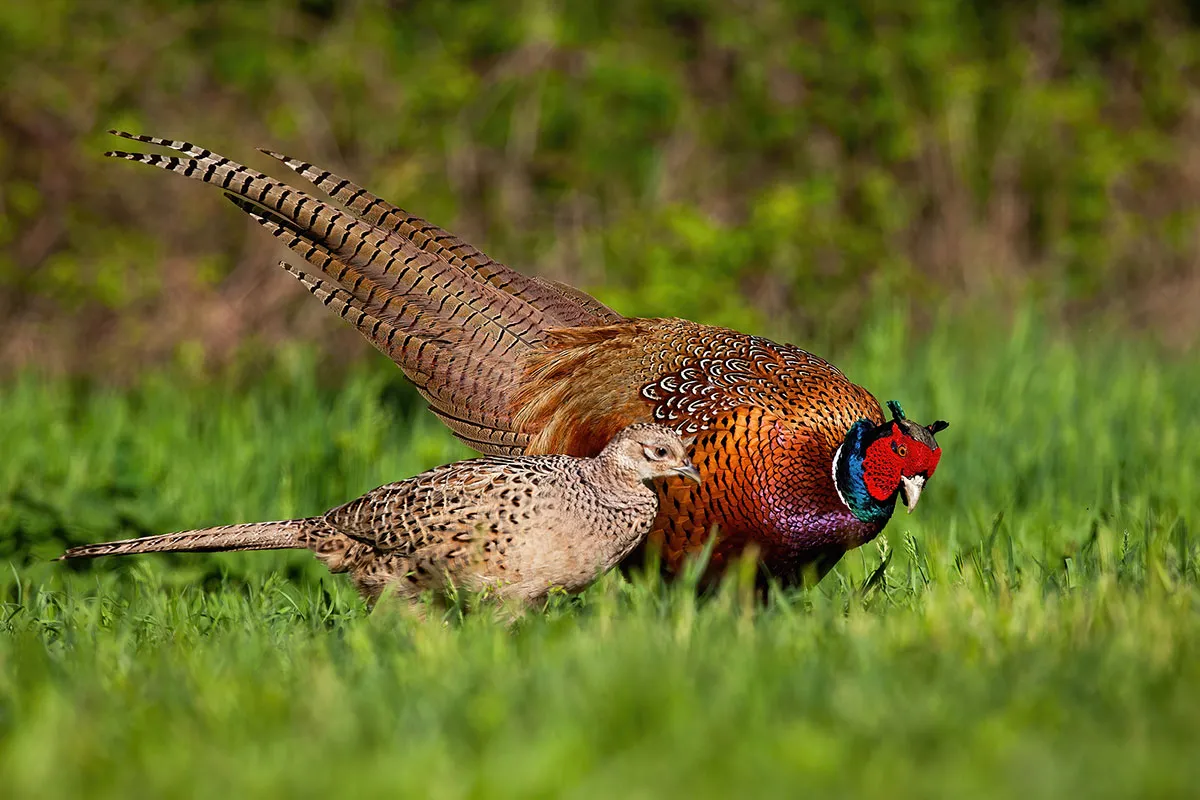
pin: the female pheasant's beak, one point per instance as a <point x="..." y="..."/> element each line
<point x="911" y="489"/>
<point x="688" y="471"/>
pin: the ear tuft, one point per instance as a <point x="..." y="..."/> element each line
<point x="938" y="426"/>
<point x="897" y="411"/>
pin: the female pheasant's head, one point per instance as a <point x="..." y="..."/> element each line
<point x="877" y="463"/>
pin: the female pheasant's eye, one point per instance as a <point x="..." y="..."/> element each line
<point x="660" y="452"/>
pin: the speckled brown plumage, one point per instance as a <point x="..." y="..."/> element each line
<point x="518" y="527"/>
<point x="514" y="364"/>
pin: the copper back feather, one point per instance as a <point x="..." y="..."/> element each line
<point x="678" y="373"/>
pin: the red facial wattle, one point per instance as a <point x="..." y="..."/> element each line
<point x="894" y="456"/>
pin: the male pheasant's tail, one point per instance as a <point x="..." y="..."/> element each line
<point x="251" y="536"/>
<point x="456" y="321"/>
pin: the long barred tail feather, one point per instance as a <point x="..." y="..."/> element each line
<point x="565" y="305"/>
<point x="441" y="310"/>
<point x="338" y="301"/>
<point x="281" y="535"/>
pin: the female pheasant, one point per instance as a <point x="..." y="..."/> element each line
<point x="518" y="527"/>
<point x="797" y="462"/>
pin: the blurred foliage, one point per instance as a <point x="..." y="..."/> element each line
<point x="755" y="164"/>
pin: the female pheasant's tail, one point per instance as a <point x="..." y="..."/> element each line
<point x="283" y="535"/>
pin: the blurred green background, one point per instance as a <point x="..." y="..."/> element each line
<point x="769" y="165"/>
<point x="985" y="210"/>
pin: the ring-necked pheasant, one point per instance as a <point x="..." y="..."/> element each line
<point x="797" y="461"/>
<point x="516" y="526"/>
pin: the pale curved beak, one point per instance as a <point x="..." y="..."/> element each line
<point x="911" y="489"/>
<point x="688" y="471"/>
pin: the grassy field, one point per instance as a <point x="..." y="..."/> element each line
<point x="1036" y="632"/>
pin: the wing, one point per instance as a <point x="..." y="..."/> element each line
<point x="448" y="505"/>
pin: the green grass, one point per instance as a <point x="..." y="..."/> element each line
<point x="1036" y="632"/>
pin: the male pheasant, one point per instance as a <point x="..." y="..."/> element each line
<point x="799" y="463"/>
<point x="517" y="527"/>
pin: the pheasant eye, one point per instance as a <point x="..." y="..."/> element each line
<point x="660" y="452"/>
<point x="900" y="450"/>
